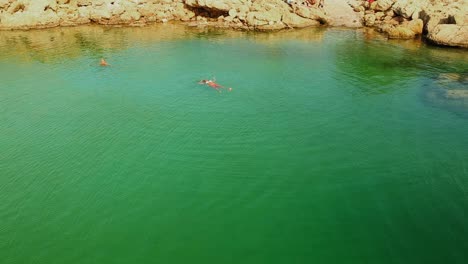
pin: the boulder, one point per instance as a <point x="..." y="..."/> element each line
<point x="262" y="18"/>
<point x="379" y="15"/>
<point x="295" y="21"/>
<point x="130" y="15"/>
<point x="252" y="19"/>
<point x="460" y="18"/>
<point x="100" y="13"/>
<point x="311" y="13"/>
<point x="406" y="8"/>
<point x="416" y="26"/>
<point x="383" y="5"/>
<point x="449" y="35"/>
<point x="400" y="32"/>
<point x="369" y="20"/>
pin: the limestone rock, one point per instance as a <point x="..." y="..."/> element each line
<point x="252" y="19"/>
<point x="262" y="18"/>
<point x="369" y="20"/>
<point x="311" y="13"/>
<point x="224" y="5"/>
<point x="379" y="15"/>
<point x="295" y="21"/>
<point x="233" y="12"/>
<point x="416" y="26"/>
<point x="461" y="18"/>
<point x="267" y="5"/>
<point x="449" y="35"/>
<point x="340" y="13"/>
<point x="30" y="13"/>
<point x="400" y="32"/>
<point x="383" y="5"/>
<point x="130" y="15"/>
<point x="272" y="26"/>
<point x="406" y="8"/>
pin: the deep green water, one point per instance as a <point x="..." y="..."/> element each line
<point x="333" y="147"/>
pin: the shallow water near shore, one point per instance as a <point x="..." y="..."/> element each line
<point x="334" y="146"/>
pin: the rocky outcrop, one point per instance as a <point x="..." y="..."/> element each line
<point x="443" y="22"/>
<point x="449" y="35"/>
<point x="341" y="13"/>
<point x="258" y="14"/>
<point x="246" y="14"/>
<point x="25" y="14"/>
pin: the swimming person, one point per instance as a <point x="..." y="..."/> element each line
<point x="213" y="85"/>
<point x="103" y="62"/>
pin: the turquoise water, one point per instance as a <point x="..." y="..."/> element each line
<point x="333" y="147"/>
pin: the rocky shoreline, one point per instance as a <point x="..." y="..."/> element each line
<point x="443" y="22"/>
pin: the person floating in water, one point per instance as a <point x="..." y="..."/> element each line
<point x="104" y="62"/>
<point x="213" y="85"/>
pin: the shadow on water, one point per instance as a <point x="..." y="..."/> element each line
<point x="378" y="66"/>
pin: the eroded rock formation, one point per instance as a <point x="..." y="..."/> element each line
<point x="246" y="14"/>
<point x="443" y="21"/>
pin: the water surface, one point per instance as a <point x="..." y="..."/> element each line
<point x="333" y="147"/>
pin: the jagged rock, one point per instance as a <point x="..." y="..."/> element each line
<point x="450" y="35"/>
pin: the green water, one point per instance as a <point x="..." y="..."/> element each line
<point x="332" y="147"/>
